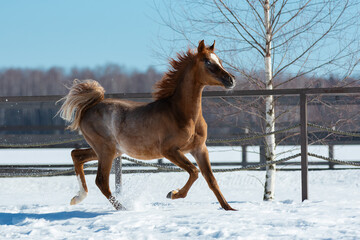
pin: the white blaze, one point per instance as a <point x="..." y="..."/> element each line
<point x="216" y="59"/>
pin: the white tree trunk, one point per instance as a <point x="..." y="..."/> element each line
<point x="269" y="111"/>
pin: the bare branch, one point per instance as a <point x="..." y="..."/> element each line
<point x="314" y="43"/>
<point x="242" y="26"/>
<point x="292" y="18"/>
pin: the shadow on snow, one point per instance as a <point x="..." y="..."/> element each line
<point x="16" y="218"/>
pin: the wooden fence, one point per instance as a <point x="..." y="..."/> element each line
<point x="301" y="93"/>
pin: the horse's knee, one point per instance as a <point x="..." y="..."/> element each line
<point x="74" y="155"/>
<point x="194" y="173"/>
<point x="77" y="156"/>
<point x="80" y="156"/>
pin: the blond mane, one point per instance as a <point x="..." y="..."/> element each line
<point x="167" y="85"/>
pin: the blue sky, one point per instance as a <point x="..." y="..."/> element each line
<point x="83" y="33"/>
<point x="89" y="33"/>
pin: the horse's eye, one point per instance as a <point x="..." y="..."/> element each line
<point x="207" y="62"/>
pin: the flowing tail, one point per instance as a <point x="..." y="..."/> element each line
<point x="82" y="95"/>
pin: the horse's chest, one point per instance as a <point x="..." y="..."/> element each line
<point x="194" y="137"/>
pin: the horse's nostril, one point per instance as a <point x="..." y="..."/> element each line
<point x="231" y="79"/>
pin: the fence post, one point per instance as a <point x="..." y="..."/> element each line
<point x="118" y="175"/>
<point x="304" y="146"/>
<point x="244" y="155"/>
<point x="331" y="155"/>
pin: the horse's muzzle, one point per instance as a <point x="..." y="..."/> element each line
<point x="229" y="82"/>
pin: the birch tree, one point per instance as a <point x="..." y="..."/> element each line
<point x="264" y="39"/>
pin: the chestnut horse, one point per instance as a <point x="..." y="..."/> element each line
<point x="169" y="127"/>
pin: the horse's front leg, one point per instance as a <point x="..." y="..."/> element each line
<point x="202" y="158"/>
<point x="179" y="159"/>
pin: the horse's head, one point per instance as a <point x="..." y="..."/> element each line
<point x="213" y="72"/>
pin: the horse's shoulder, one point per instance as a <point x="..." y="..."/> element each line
<point x="200" y="122"/>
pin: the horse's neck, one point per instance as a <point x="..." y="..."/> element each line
<point x="187" y="98"/>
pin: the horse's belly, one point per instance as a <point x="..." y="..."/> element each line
<point x="140" y="150"/>
<point x="144" y="156"/>
<point x="148" y="144"/>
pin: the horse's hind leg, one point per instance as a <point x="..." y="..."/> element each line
<point x="79" y="157"/>
<point x="179" y="159"/>
<point x="106" y="157"/>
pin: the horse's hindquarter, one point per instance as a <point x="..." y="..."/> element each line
<point x="104" y="121"/>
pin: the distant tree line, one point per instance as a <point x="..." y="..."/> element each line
<point x="116" y="79"/>
<point x="52" y="81"/>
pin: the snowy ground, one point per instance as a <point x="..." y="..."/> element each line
<point x="38" y="208"/>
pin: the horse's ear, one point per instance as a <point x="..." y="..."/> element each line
<point x="212" y="47"/>
<point x="201" y="46"/>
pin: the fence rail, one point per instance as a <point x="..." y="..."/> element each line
<point x="137" y="166"/>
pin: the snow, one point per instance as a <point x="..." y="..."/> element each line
<point x="38" y="208"/>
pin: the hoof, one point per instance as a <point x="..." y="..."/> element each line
<point x="78" y="198"/>
<point x="118" y="206"/>
<point x="171" y="194"/>
<point x="73" y="201"/>
<point x="230" y="209"/>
